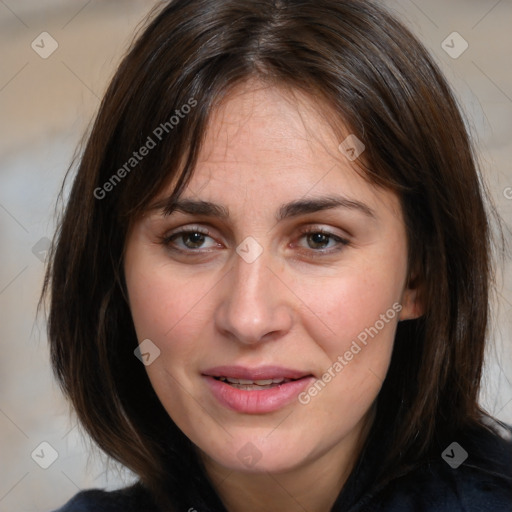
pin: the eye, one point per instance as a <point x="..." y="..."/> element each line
<point x="318" y="239"/>
<point x="188" y="239"/>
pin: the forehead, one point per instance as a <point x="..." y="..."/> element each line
<point x="261" y="124"/>
<point x="266" y="145"/>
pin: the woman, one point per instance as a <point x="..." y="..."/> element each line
<point x="269" y="289"/>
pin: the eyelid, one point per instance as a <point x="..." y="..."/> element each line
<point x="303" y="229"/>
<point x="313" y="228"/>
<point x="189" y="229"/>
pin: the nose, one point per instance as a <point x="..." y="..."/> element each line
<point x="255" y="302"/>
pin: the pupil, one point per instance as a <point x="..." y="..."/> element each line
<point x="320" y="238"/>
<point x="195" y="238"/>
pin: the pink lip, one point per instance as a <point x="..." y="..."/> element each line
<point x="256" y="401"/>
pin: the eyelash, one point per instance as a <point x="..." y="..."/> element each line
<point x="167" y="240"/>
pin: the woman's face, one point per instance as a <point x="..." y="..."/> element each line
<point x="270" y="285"/>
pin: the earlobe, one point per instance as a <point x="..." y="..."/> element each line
<point x="412" y="302"/>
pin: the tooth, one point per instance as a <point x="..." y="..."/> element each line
<point x="263" y="382"/>
<point x="254" y="383"/>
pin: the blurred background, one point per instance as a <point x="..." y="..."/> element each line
<point x="57" y="57"/>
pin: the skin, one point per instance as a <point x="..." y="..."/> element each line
<point x="207" y="306"/>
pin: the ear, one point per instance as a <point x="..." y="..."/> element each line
<point x="412" y="300"/>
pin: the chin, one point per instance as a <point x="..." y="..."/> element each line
<point x="252" y="454"/>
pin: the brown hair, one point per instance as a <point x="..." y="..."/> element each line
<point x="375" y="77"/>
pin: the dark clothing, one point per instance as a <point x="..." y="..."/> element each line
<point x="481" y="483"/>
<point x="131" y="499"/>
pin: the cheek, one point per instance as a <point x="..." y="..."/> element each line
<point x="354" y="327"/>
<point x="172" y="311"/>
<point x="168" y="312"/>
<point x="348" y="305"/>
<point x="159" y="297"/>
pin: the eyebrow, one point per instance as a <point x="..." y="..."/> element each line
<point x="286" y="211"/>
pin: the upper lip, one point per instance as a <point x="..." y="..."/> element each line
<point x="259" y="373"/>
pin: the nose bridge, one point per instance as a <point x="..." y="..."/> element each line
<point x="253" y="304"/>
<point x="252" y="278"/>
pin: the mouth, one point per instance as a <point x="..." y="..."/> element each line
<point x="256" y="390"/>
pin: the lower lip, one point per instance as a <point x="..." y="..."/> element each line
<point x="258" y="401"/>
